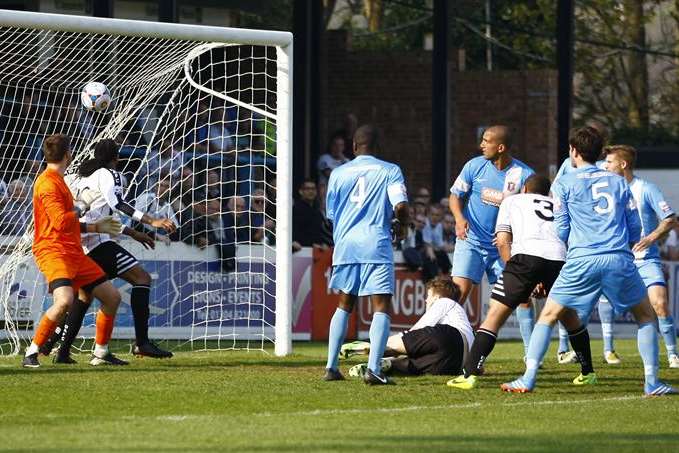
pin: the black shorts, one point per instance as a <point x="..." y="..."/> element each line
<point x="434" y="350"/>
<point x="113" y="259"/>
<point x="520" y="277"/>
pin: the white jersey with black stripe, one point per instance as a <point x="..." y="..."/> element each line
<point x="109" y="185"/>
<point x="529" y="218"/>
<point x="446" y="311"/>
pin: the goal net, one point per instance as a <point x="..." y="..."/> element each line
<point x="202" y="117"/>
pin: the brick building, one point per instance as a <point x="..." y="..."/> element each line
<point x="393" y="91"/>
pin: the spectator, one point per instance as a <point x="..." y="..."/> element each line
<point x="670" y="248"/>
<point x="445" y="204"/>
<point x="449" y="236"/>
<point x="168" y="159"/>
<point x="422" y="196"/>
<point x="420" y="207"/>
<point x="435" y="258"/>
<point x="157" y="202"/>
<point x="350" y="124"/>
<point x="16" y="212"/>
<point x="219" y="135"/>
<point x="309" y="225"/>
<point x="257" y="208"/>
<point x="235" y="221"/>
<point x="333" y="158"/>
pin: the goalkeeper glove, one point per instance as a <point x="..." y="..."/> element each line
<point x="108" y="225"/>
<point x="85" y="199"/>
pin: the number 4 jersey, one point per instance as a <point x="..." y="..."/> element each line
<point x="360" y="203"/>
<point x="529" y="218"/>
<point x="595" y="213"/>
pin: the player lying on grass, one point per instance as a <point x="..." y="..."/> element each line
<point x="534" y="254"/>
<point x="364" y="195"/>
<point x="436" y="344"/>
<point x="657" y="219"/>
<point x="595" y="213"/>
<point x="59" y="255"/>
<point x="98" y="175"/>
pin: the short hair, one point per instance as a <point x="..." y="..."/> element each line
<point x="54" y="148"/>
<point x="624" y="152"/>
<point x="444" y="286"/>
<point x="538" y="184"/>
<point x="368" y="136"/>
<point x="588" y="142"/>
<point x="504" y="135"/>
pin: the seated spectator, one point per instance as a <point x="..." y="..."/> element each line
<point x="157" y="202"/>
<point x="15" y="211"/>
<point x="168" y="159"/>
<point x="435" y="258"/>
<point x="413" y="245"/>
<point x="219" y="135"/>
<point x="445" y="204"/>
<point x="422" y="196"/>
<point x="235" y="221"/>
<point x="309" y="226"/>
<point x="449" y="236"/>
<point x="333" y="158"/>
<point x="420" y="207"/>
<point x="257" y="208"/>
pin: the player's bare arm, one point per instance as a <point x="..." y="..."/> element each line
<point x="664" y="227"/>
<point x="461" y="224"/>
<point x="504" y="245"/>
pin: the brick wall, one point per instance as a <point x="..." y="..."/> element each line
<point x="393" y="91"/>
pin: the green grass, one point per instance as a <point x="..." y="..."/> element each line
<point x="244" y="401"/>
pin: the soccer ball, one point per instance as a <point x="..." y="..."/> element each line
<point x="95" y="96"/>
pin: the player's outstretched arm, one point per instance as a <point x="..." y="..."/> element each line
<point x="105" y="225"/>
<point x="141" y="237"/>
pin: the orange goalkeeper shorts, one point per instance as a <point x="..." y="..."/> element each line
<point x="78" y="273"/>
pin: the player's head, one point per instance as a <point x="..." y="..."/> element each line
<point x="105" y="156"/>
<point x="586" y="143"/>
<point x="308" y="191"/>
<point x="366" y="140"/>
<point x="620" y="159"/>
<point x="442" y="286"/>
<point x="496" y="141"/>
<point x="57" y="149"/>
<point x="537" y="184"/>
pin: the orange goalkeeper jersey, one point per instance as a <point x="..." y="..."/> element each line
<point x="57" y="229"/>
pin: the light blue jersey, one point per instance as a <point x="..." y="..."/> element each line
<point x="652" y="209"/>
<point x="484" y="187"/>
<point x="567" y="167"/>
<point x="360" y="203"/>
<point x="595" y="213"/>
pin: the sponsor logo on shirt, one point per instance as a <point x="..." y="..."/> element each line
<point x="492" y="197"/>
<point x="664" y="206"/>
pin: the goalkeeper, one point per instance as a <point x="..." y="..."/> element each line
<point x="437" y="343"/>
<point x="98" y="175"/>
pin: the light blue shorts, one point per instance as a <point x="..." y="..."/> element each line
<point x="651" y="272"/>
<point x="363" y="279"/>
<point x="582" y="280"/>
<point x="471" y="261"/>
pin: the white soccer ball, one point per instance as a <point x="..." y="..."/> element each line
<point x="95" y="96"/>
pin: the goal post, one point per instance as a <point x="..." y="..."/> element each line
<point x="206" y="111"/>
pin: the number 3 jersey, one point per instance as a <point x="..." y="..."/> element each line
<point x="109" y="184"/>
<point x="529" y="218"/>
<point x="595" y="212"/>
<point x="360" y="203"/>
<point x="485" y="187"/>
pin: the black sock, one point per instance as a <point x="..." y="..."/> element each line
<point x="481" y="348"/>
<point x="139" y="300"/>
<point x="56" y="336"/>
<point x="73" y="322"/>
<point x="580" y="342"/>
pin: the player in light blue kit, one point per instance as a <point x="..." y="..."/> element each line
<point x="657" y="219"/>
<point x="595" y="213"/>
<point x="475" y="200"/>
<point x="606" y="314"/>
<point x="363" y="197"/>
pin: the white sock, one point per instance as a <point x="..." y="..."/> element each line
<point x="100" y="350"/>
<point x="32" y="349"/>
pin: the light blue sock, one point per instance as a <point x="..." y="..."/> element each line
<point x="606" y="315"/>
<point x="647" y="341"/>
<point x="526" y="322"/>
<point x="336" y="333"/>
<point x="563" y="339"/>
<point x="379" y="333"/>
<point x="669" y="334"/>
<point x="539" y="342"/>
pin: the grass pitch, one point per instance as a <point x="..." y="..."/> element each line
<point x="244" y="401"/>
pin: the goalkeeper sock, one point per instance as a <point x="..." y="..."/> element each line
<point x="42" y="334"/>
<point x="647" y="342"/>
<point x="483" y="345"/>
<point x="580" y="342"/>
<point x="72" y="324"/>
<point x="606" y="315"/>
<point x="526" y="323"/>
<point x="139" y="300"/>
<point x="539" y="342"/>
<point x="379" y="333"/>
<point x="104" y="328"/>
<point x="336" y="333"/>
<point x="669" y="334"/>
<point x="563" y="339"/>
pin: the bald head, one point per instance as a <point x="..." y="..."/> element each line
<point x="496" y="143"/>
<point x="502" y="135"/>
<point x="366" y="140"/>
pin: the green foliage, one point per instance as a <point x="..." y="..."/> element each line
<point x="240" y="401"/>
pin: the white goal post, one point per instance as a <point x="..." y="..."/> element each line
<point x="219" y="98"/>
